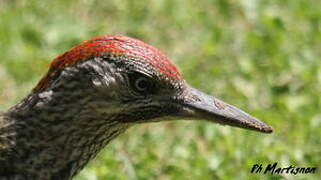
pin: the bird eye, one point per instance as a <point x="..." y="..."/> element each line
<point x="140" y="83"/>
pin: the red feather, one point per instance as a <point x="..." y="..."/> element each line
<point x="112" y="45"/>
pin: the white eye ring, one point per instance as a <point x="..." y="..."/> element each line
<point x="142" y="84"/>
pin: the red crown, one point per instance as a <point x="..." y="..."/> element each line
<point x="114" y="45"/>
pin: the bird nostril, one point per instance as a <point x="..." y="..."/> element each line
<point x="219" y="104"/>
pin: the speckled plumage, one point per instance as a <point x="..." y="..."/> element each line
<point x="90" y="95"/>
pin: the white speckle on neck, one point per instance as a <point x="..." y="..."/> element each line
<point x="45" y="96"/>
<point x="97" y="83"/>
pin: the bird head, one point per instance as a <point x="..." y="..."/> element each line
<point x="131" y="82"/>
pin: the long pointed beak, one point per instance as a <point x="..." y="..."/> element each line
<point x="198" y="105"/>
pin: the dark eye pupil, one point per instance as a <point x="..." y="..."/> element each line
<point x="142" y="84"/>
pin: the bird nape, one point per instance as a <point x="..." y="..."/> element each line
<point x="90" y="95"/>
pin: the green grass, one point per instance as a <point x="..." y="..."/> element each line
<point x="262" y="56"/>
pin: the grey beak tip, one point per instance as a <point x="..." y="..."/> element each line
<point x="267" y="129"/>
<point x="257" y="125"/>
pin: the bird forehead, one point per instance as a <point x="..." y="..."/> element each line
<point x="121" y="48"/>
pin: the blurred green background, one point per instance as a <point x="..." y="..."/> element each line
<point x="262" y="56"/>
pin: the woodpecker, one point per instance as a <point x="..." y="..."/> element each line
<point x="90" y="95"/>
